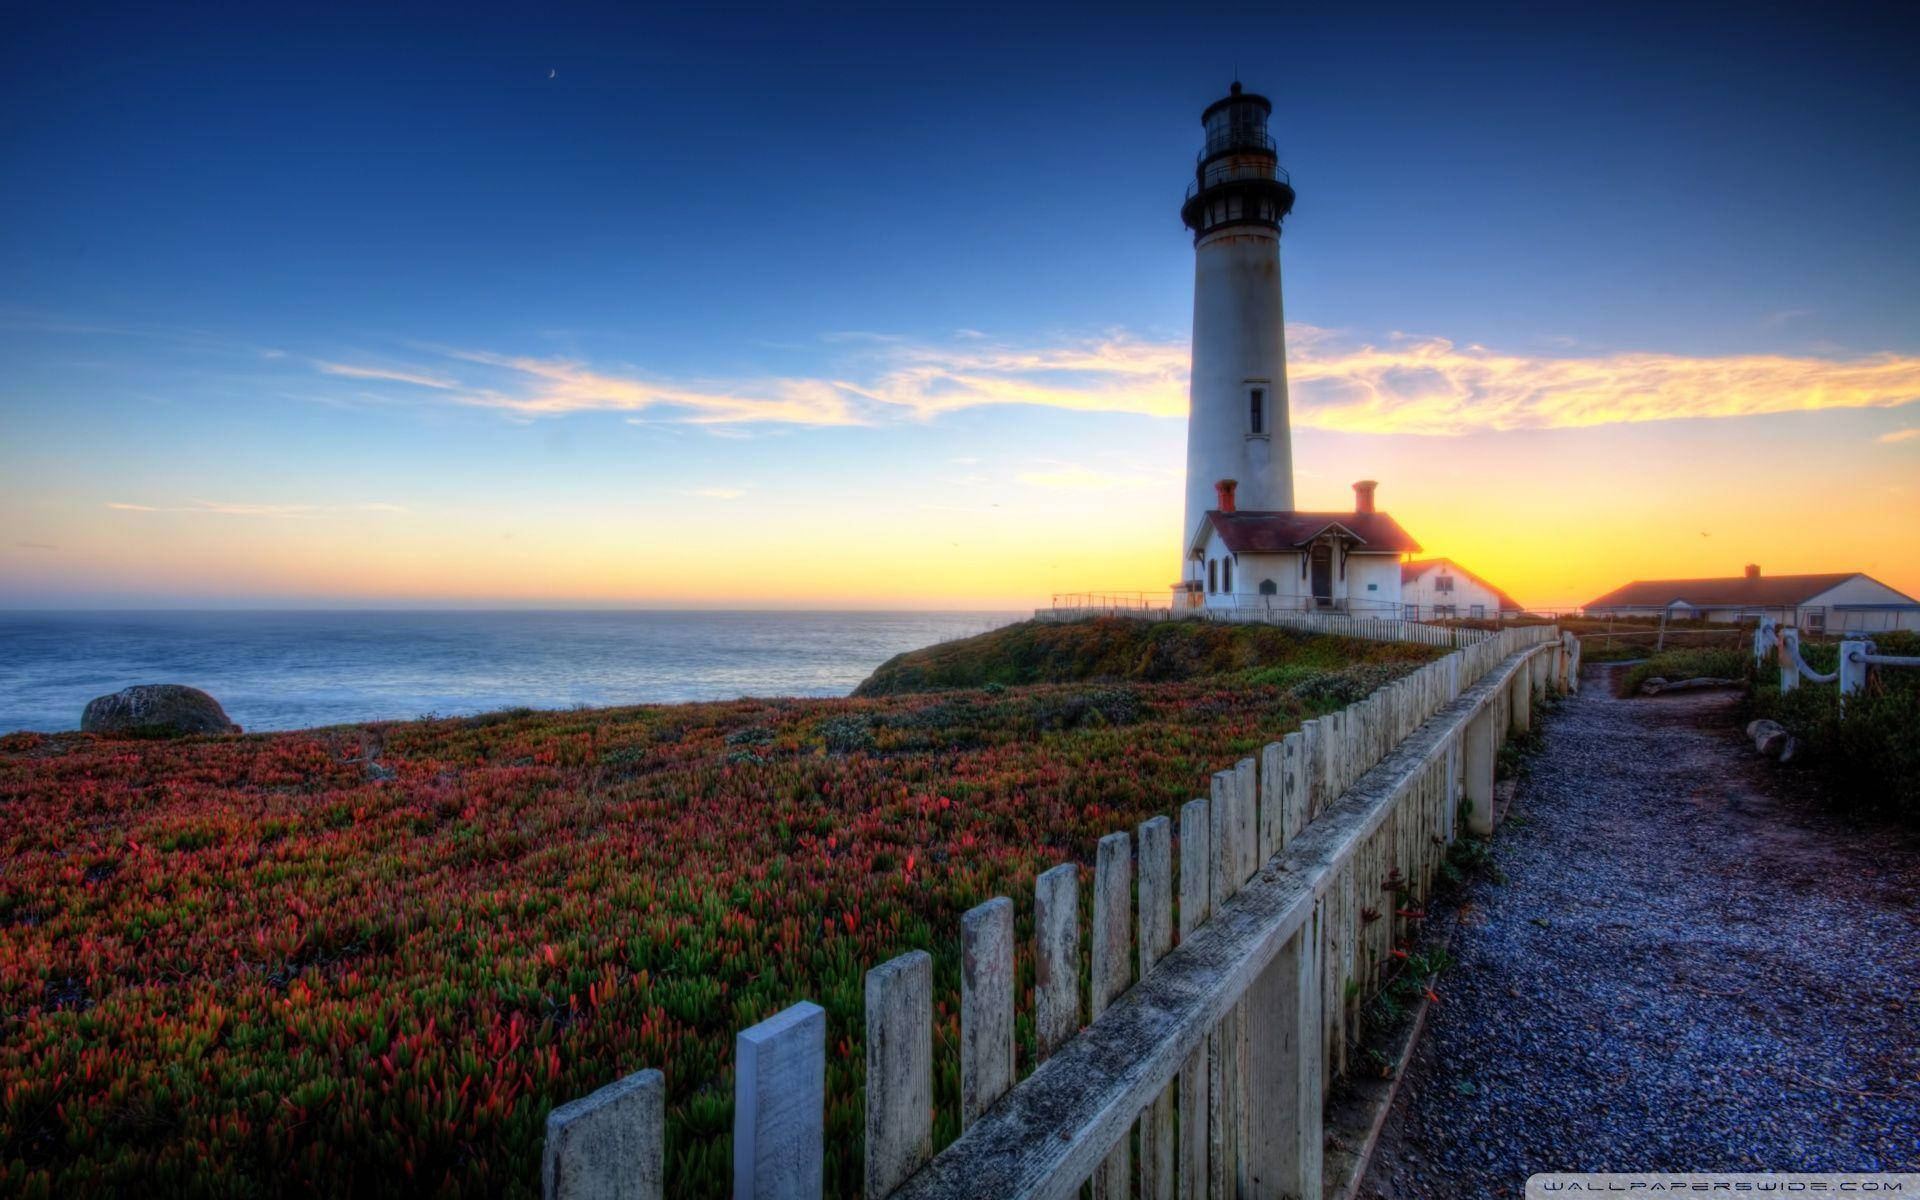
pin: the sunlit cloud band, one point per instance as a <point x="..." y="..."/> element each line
<point x="1410" y="385"/>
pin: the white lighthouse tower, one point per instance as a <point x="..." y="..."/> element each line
<point x="1237" y="422"/>
<point x="1243" y="544"/>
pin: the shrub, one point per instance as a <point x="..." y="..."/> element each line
<point x="1867" y="753"/>
<point x="1075" y="708"/>
<point x="1673" y="665"/>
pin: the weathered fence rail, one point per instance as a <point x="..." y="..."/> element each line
<point x="1207" y="1074"/>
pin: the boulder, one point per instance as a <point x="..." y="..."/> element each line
<point x="156" y="710"/>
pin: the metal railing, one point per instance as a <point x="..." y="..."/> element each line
<point x="1231" y="173"/>
<point x="1118" y="600"/>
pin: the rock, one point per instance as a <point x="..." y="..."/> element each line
<point x="1791" y="748"/>
<point x="1773" y="741"/>
<point x="156" y="710"/>
<point x="1653" y="687"/>
<point x="1766" y="735"/>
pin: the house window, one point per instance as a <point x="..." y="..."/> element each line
<point x="1477" y="610"/>
<point x="1213" y="576"/>
<point x="1226" y="574"/>
<point x="1443" y="583"/>
<point x="1443" y="610"/>
<point x="1269" y="588"/>
<point x="1257" y="411"/>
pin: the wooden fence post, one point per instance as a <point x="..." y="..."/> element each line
<point x="1852" y="670"/>
<point x="1273" y="799"/>
<point x="1246" y="795"/>
<point x="1312" y="773"/>
<point x="1056" y="958"/>
<point x="1112" y="974"/>
<point x="1155" y="840"/>
<point x="779" y="1106"/>
<point x="1288" y="1070"/>
<point x="899" y="1070"/>
<point x="610" y="1145"/>
<point x="986" y="1007"/>
<point x="1196" y="873"/>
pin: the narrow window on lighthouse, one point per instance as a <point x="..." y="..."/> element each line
<point x="1257" y="411"/>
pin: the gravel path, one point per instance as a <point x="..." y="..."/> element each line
<point x="1688" y="965"/>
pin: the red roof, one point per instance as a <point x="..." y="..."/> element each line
<point x="1409" y="571"/>
<point x="1248" y="532"/>
<point x="1761" y="592"/>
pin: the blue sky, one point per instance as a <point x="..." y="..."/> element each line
<point x="273" y="276"/>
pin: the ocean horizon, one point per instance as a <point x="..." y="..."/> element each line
<point x="279" y="669"/>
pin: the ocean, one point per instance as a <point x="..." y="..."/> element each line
<point x="293" y="670"/>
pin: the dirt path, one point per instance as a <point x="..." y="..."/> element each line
<point x="1688" y="965"/>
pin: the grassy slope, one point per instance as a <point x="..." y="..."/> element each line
<point x="1113" y="649"/>
<point x="258" y="965"/>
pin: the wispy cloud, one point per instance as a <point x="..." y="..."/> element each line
<point x="230" y="509"/>
<point x="393" y="375"/>
<point x="1402" y="384"/>
<point x="1899" y="435"/>
<point x="539" y="387"/>
<point x="1432" y="386"/>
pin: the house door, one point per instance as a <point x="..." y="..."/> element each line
<point x="1323" y="575"/>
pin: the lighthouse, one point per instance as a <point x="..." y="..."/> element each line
<point x="1243" y="544"/>
<point x="1237" y="419"/>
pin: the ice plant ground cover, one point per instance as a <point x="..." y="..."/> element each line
<point x="371" y="959"/>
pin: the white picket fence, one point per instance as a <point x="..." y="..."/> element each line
<point x="1375" y="629"/>
<point x="1856" y="656"/>
<point x="1297" y="875"/>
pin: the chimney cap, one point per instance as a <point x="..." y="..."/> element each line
<point x="1363" y="495"/>
<point x="1753" y="570"/>
<point x="1223" y="489"/>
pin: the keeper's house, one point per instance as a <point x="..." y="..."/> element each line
<point x="1845" y="603"/>
<point x="1291" y="561"/>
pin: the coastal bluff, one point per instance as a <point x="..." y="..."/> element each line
<point x="1122" y="650"/>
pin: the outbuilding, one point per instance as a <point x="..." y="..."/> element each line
<point x="1844" y="602"/>
<point x="1436" y="589"/>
